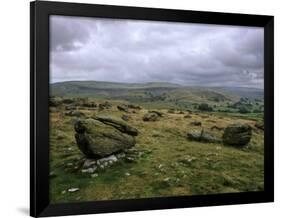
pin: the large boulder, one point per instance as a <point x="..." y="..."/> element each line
<point x="202" y="136"/>
<point x="103" y="136"/>
<point x="237" y="134"/>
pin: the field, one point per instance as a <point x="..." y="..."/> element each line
<point x="166" y="162"/>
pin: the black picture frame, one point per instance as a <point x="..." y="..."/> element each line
<point x="39" y="119"/>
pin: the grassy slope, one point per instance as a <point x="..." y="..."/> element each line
<point x="166" y="171"/>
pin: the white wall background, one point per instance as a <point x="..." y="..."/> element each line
<point x="14" y="107"/>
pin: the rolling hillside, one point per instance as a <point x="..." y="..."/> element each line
<point x="158" y="94"/>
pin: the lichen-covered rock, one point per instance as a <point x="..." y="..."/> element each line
<point x="103" y="136"/>
<point x="237" y="134"/>
<point x="118" y="124"/>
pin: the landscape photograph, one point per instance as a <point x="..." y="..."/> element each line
<point x="146" y="109"/>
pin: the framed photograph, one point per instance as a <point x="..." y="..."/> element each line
<point x="144" y="108"/>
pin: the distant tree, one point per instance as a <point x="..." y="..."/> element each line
<point x="205" y="107"/>
<point x="243" y="110"/>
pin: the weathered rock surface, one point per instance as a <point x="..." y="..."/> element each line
<point x="103" y="136"/>
<point x="237" y="134"/>
<point x="123" y="108"/>
<point x="159" y="113"/>
<point x="151" y="117"/>
<point x="118" y="124"/>
<point x="201" y="136"/>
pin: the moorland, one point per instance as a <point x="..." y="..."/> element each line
<point x="180" y="140"/>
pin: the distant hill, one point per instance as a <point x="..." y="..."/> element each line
<point x="167" y="93"/>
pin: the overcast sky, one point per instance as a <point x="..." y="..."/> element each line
<point x="144" y="51"/>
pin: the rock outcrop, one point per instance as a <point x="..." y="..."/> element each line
<point x="102" y="136"/>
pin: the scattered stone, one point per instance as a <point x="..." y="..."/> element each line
<point x="89" y="170"/>
<point x="166" y="179"/>
<point x="120" y="155"/>
<point x="201" y="136"/>
<point x="105" y="105"/>
<point x="125" y="117"/>
<point x="237" y="134"/>
<point x="204" y="116"/>
<point x="130" y="159"/>
<point x="151" y="117"/>
<point x="74" y="113"/>
<point x="137" y="107"/>
<point x="68" y="101"/>
<point x="70" y="107"/>
<point x="123" y="108"/>
<point x="73" y="189"/>
<point x="89" y="163"/>
<point x="187" y="159"/>
<point x="94" y="175"/>
<point x="159" y="113"/>
<point x="196" y="123"/>
<point x="89" y="104"/>
<point x="217" y="128"/>
<point x="127" y="174"/>
<point x="187" y="116"/>
<point x="107" y="160"/>
<point x="103" y="136"/>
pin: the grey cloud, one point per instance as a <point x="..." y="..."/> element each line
<point x="140" y="51"/>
